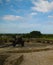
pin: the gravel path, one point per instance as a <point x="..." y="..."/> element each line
<point x="38" y="58"/>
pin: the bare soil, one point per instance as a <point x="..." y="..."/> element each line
<point x="38" y="58"/>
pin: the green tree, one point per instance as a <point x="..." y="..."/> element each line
<point x="35" y="34"/>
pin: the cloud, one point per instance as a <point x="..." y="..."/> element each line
<point x="47" y="29"/>
<point x="49" y="23"/>
<point x="1" y="2"/>
<point x="50" y="16"/>
<point x="27" y="25"/>
<point x="33" y="13"/>
<point x="7" y="0"/>
<point x="42" y="6"/>
<point x="11" y="17"/>
<point x="18" y="0"/>
<point x="15" y="28"/>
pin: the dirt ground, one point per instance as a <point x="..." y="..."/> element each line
<point x="38" y="58"/>
<point x="33" y="58"/>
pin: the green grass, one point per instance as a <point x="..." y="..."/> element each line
<point x="48" y="38"/>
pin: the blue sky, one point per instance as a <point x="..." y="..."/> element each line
<point x="23" y="16"/>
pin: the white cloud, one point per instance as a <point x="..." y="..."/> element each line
<point x="18" y="0"/>
<point x="27" y="25"/>
<point x="42" y="6"/>
<point x="1" y="2"/>
<point x="33" y="13"/>
<point x="14" y="27"/>
<point x="7" y="0"/>
<point x="47" y="28"/>
<point x="50" y="16"/>
<point x="11" y="17"/>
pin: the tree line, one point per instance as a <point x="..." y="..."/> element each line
<point x="32" y="34"/>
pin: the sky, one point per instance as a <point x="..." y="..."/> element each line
<point x="24" y="16"/>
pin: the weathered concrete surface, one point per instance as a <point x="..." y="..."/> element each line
<point x="38" y="58"/>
